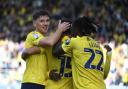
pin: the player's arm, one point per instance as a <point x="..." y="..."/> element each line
<point x="64" y="48"/>
<point x="57" y="49"/>
<point x="30" y="51"/>
<point x="51" y="40"/>
<point x="53" y="75"/>
<point x="108" y="60"/>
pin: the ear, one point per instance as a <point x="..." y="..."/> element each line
<point x="34" y="23"/>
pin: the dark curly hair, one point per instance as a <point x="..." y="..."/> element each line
<point x="83" y="26"/>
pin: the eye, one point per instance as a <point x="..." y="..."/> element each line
<point x="41" y="20"/>
<point x="47" y="20"/>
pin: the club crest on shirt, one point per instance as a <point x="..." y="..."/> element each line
<point x="67" y="41"/>
<point x="36" y="36"/>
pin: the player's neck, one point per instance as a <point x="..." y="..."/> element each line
<point x="40" y="32"/>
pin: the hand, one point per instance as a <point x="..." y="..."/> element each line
<point x="63" y="26"/>
<point x="24" y="55"/>
<point x="108" y="48"/>
<point x="54" y="76"/>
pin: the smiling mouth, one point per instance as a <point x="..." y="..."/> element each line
<point x="45" y="27"/>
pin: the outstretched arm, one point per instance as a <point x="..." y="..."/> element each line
<point x="51" y="40"/>
<point x="108" y="60"/>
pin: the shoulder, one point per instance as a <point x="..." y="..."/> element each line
<point x="65" y="38"/>
<point x="34" y="35"/>
<point x="75" y="38"/>
<point x="70" y="41"/>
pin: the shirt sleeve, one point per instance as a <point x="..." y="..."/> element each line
<point x="67" y="47"/>
<point x="32" y="39"/>
<point x="36" y="42"/>
<point x="107" y="64"/>
<point x="29" y="40"/>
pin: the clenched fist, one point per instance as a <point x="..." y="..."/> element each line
<point x="54" y="75"/>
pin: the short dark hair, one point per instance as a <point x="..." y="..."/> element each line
<point x="39" y="13"/>
<point x="68" y="31"/>
<point x="83" y="25"/>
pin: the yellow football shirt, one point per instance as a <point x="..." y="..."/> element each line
<point x="36" y="65"/>
<point x="87" y="63"/>
<point x="63" y="66"/>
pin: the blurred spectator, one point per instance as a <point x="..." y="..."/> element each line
<point x="112" y="16"/>
<point x="11" y="65"/>
<point x="125" y="71"/>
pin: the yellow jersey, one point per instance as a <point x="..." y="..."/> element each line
<point x="63" y="66"/>
<point x="87" y="63"/>
<point x="36" y="65"/>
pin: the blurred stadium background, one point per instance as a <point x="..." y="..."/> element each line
<point x="16" y="22"/>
